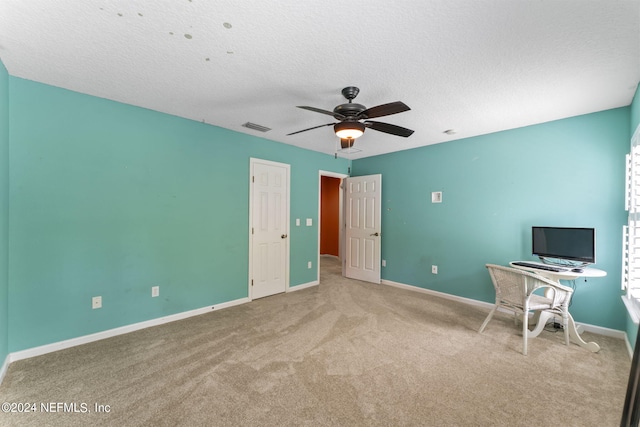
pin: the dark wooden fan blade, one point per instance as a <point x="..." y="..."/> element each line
<point x="315" y="127"/>
<point x="388" y="128"/>
<point x="384" y="110"/>
<point x="319" y="110"/>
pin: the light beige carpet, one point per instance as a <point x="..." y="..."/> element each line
<point x="344" y="353"/>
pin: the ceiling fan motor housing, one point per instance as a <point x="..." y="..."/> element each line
<point x="349" y="110"/>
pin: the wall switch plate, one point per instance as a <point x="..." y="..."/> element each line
<point x="155" y="291"/>
<point x="434" y="269"/>
<point x="309" y="222"/>
<point x="96" y="302"/>
<point x="384" y="262"/>
<point x="309" y="264"/>
<point x="297" y="222"/>
<point x="436" y="197"/>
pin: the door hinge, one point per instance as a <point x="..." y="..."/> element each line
<point x="251" y="282"/>
<point x="253" y="179"/>
<point x="251" y="230"/>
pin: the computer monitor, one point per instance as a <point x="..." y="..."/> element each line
<point x="564" y="243"/>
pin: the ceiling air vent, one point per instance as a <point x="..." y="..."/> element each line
<point x="256" y="127"/>
<point x="349" y="150"/>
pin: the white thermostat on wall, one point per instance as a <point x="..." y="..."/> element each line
<point x="436" y="197"/>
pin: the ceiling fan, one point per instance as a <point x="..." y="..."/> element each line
<point x="354" y="118"/>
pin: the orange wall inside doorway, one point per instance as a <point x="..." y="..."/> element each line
<point x="329" y="216"/>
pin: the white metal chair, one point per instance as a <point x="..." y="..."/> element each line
<point x="515" y="292"/>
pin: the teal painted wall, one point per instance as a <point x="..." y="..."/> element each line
<point x="4" y="212"/>
<point x="109" y="199"/>
<point x="495" y="187"/>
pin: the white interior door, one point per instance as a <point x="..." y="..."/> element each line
<point x="269" y="257"/>
<point x="363" y="230"/>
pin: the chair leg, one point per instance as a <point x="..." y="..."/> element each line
<point x="525" y="331"/>
<point x="487" y="319"/>
<point x="565" y="326"/>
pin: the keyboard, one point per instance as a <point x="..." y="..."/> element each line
<point x="540" y="266"/>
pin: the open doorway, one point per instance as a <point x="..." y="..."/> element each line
<point x="331" y="222"/>
<point x="330" y="216"/>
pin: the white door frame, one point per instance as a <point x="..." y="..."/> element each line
<point x="253" y="161"/>
<point x="342" y="176"/>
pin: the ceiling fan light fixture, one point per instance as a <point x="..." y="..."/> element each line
<point x="348" y="130"/>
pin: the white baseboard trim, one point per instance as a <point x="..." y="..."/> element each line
<point x="49" y="348"/>
<point x="4" y="367"/>
<point x="487" y="305"/>
<point x="303" y="286"/>
<point x="629" y="348"/>
<point x="585" y="326"/>
<point x="607" y="332"/>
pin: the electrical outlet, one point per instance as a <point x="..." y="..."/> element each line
<point x="96" y="302"/>
<point x="434" y="269"/>
<point x="155" y="291"/>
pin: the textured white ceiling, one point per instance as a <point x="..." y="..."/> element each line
<point x="473" y="66"/>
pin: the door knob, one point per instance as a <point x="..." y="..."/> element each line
<point x="284" y="236"/>
<point x="375" y="234"/>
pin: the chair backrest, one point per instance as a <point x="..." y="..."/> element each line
<point x="514" y="285"/>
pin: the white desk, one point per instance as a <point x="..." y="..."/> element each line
<point x="541" y="317"/>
